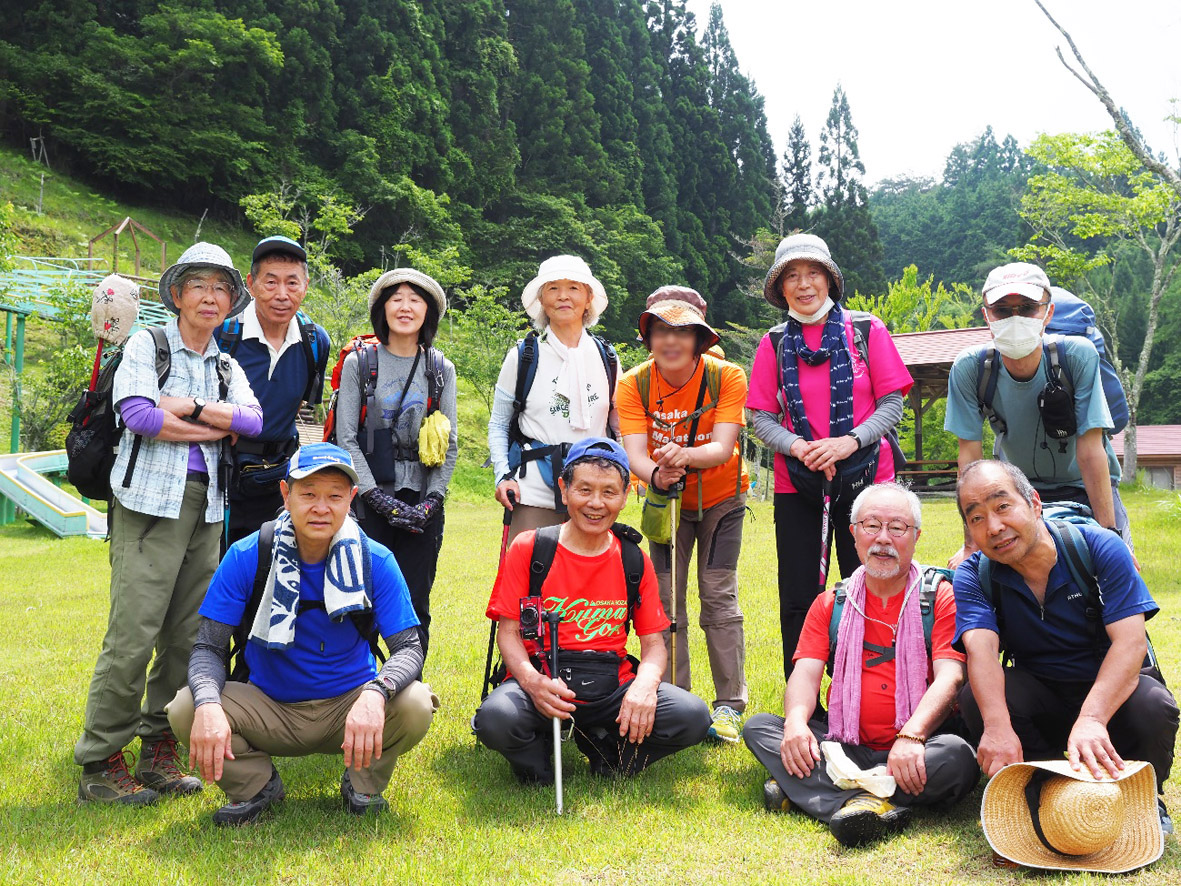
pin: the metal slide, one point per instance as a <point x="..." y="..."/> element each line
<point x="22" y="483"/>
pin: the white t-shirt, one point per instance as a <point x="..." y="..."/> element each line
<point x="546" y="418"/>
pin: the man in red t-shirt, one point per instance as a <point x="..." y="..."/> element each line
<point x="892" y="690"/>
<point x="624" y="717"/>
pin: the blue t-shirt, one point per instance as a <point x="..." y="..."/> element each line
<point x="1055" y="644"/>
<point x="280" y="394"/>
<point x="1016" y="402"/>
<point x="327" y="658"/>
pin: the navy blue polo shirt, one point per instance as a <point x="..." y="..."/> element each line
<point x="281" y="394"/>
<point x="1054" y="642"/>
<point x="327" y="658"/>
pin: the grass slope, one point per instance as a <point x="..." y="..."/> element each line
<point x="456" y="814"/>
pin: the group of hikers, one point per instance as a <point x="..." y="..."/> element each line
<point x="1036" y="648"/>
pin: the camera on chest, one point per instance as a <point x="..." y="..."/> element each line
<point x="531" y="618"/>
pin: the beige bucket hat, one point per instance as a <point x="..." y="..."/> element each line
<point x="393" y="277"/>
<point x="564" y="267"/>
<point x="1108" y="826"/>
<point x="204" y="255"/>
<point x="801" y="246"/>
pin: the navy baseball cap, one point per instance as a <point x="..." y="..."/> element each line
<point x="270" y="245"/>
<point x="316" y="457"/>
<point x="598" y="447"/>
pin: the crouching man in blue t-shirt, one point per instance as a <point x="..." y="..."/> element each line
<point x="314" y="687"/>
<point x="1072" y="623"/>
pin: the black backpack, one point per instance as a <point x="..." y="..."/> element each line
<point x="237" y="668"/>
<point x="545" y="548"/>
<point x="95" y="430"/>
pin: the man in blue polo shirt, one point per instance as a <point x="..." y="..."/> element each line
<point x="314" y="687"/>
<point x="283" y="354"/>
<point x="1073" y="686"/>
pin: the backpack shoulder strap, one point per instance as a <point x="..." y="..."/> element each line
<point x="1080" y="564"/>
<point x="713" y="376"/>
<point x="545" y="548"/>
<point x="1054" y="350"/>
<point x="317" y="361"/>
<point x="266" y="545"/>
<point x="862" y="324"/>
<point x="527" y="358"/>
<point x="839" y="593"/>
<point x="367" y="372"/>
<point x="644" y="384"/>
<point x="633" y="567"/>
<point x="229" y="335"/>
<point x="163" y="354"/>
<point x="987" y="377"/>
<point x="224" y="374"/>
<point x="434" y="379"/>
<point x="933" y="577"/>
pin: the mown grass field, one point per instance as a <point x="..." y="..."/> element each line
<point x="456" y="814"/>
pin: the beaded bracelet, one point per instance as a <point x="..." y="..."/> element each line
<point x="910" y="737"/>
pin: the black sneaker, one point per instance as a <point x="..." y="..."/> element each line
<point x="248" y="810"/>
<point x="160" y="767"/>
<point x="358" y="803"/>
<point x="603" y="751"/>
<point x="110" y="781"/>
<point x="1166" y="822"/>
<point x="865" y="818"/>
<point x="774" y="799"/>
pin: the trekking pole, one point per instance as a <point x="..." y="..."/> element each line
<point x="552" y="619"/>
<point x="674" y="494"/>
<point x="825" y="527"/>
<point x="508" y="519"/>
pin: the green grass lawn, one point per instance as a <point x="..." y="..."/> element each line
<point x="457" y="816"/>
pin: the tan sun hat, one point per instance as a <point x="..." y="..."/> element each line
<point x="676" y="306"/>
<point x="808" y="247"/>
<point x="425" y="282"/>
<point x="1109" y="826"/>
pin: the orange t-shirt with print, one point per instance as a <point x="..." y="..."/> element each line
<point x="670" y="407"/>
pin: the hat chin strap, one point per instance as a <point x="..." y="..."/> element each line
<point x="1033" y="799"/>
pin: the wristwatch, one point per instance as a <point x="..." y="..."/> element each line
<point x="198" y="405"/>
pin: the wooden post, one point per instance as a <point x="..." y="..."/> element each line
<point x="916" y="404"/>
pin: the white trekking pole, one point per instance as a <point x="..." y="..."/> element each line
<point x="552" y="619"/>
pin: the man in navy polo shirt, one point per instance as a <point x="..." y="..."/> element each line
<point x="283" y="355"/>
<point x="314" y="687"/>
<point x="1071" y="687"/>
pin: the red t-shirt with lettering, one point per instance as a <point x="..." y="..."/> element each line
<point x="591" y="594"/>
<point x="877" y="683"/>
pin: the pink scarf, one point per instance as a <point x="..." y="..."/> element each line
<point x="910" y="660"/>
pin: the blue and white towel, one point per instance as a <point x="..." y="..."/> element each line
<point x="347" y="578"/>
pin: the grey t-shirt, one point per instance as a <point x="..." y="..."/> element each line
<point x="1025" y="444"/>
<point x="397" y="417"/>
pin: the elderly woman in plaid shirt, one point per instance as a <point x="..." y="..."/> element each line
<point x="165" y="524"/>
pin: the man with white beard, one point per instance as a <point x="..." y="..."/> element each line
<point x="885" y="635"/>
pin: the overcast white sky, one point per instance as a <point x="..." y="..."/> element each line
<point x="925" y="75"/>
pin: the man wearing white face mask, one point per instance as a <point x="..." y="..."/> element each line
<point x="1079" y="465"/>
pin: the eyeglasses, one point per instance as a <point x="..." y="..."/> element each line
<point x="872" y="528"/>
<point x="203" y="288"/>
<point x="1027" y="309"/>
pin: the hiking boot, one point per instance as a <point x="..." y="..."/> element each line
<point x="1166" y="821"/>
<point x="726" y="725"/>
<point x="774" y="800"/>
<point x="865" y="818"/>
<point x="247" y="811"/>
<point x="110" y="781"/>
<point x="358" y="803"/>
<point x="160" y="768"/>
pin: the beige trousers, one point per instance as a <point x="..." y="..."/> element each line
<point x="263" y="727"/>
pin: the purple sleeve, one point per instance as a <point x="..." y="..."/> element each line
<point x="141" y="416"/>
<point x="247" y="420"/>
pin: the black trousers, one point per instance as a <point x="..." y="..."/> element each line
<point x="1044" y="711"/>
<point x="248" y="514"/>
<point x="417" y="554"/>
<point x="508" y="723"/>
<point x="797" y="546"/>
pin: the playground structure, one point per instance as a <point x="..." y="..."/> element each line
<point x="24" y="482"/>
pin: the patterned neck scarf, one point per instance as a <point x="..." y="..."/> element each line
<point x="834" y="347"/>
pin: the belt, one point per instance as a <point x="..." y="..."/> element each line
<point x="197" y="477"/>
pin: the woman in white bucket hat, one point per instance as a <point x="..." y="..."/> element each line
<point x="556" y="387"/>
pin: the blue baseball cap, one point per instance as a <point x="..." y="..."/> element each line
<point x="598" y="447"/>
<point x="270" y="245"/>
<point x="318" y="456"/>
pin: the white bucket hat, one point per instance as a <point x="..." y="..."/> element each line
<point x="800" y="246"/>
<point x="204" y="255"/>
<point x="1108" y="826"/>
<point x="392" y="278"/>
<point x="564" y="267"/>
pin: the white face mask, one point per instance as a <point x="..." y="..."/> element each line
<point x="819" y="316"/>
<point x="1017" y="337"/>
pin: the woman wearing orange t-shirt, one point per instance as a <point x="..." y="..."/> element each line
<point x="680" y="414"/>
